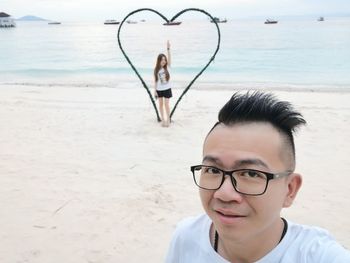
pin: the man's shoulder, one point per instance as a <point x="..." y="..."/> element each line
<point x="314" y="243"/>
<point x="193" y="224"/>
<point x="190" y="242"/>
<point x="308" y="233"/>
<point x="306" y="229"/>
<point x="193" y="232"/>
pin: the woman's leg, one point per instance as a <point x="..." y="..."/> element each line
<point x="161" y="107"/>
<point x="167" y="110"/>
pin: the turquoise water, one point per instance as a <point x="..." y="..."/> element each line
<point x="294" y="52"/>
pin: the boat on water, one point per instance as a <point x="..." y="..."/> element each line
<point x="218" y="20"/>
<point x="6" y="20"/>
<point x="54" y="23"/>
<point x="172" y="23"/>
<point x="321" y="18"/>
<point x="111" y="22"/>
<point x="131" y="22"/>
<point x="270" y="21"/>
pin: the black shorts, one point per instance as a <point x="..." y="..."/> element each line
<point x="164" y="93"/>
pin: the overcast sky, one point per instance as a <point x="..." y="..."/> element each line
<point x="94" y="10"/>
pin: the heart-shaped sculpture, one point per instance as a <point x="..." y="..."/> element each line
<point x="167" y="21"/>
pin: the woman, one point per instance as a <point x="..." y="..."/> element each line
<point x="162" y="89"/>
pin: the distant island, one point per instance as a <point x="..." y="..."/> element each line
<point x="31" y="18"/>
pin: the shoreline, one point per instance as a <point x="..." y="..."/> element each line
<point x="198" y="85"/>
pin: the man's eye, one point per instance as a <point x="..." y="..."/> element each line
<point x="252" y="174"/>
<point x="212" y="170"/>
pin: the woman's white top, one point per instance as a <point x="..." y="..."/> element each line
<point x="162" y="83"/>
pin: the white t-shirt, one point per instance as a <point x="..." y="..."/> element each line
<point x="301" y="244"/>
<point x="162" y="83"/>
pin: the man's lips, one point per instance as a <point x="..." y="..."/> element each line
<point x="228" y="213"/>
<point x="228" y="217"/>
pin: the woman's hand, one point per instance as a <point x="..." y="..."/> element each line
<point x="169" y="55"/>
<point x="168" y="45"/>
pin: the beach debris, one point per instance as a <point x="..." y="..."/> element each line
<point x="62" y="206"/>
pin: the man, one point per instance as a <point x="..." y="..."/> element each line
<point x="245" y="179"/>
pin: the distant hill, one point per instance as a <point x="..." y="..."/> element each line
<point x="31" y="18"/>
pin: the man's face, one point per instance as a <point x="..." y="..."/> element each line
<point x="254" y="146"/>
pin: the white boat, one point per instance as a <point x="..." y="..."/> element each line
<point x="172" y="24"/>
<point x="270" y="21"/>
<point x="6" y="20"/>
<point x="218" y="20"/>
<point x="111" y="22"/>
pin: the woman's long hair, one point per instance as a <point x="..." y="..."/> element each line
<point x="158" y="67"/>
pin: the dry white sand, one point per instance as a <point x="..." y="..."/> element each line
<point x="88" y="175"/>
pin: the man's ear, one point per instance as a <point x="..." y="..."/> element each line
<point x="294" y="182"/>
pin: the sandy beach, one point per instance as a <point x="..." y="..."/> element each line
<point x="88" y="175"/>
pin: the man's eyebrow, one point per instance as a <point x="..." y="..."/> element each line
<point x="211" y="159"/>
<point x="245" y="162"/>
<point x="237" y="164"/>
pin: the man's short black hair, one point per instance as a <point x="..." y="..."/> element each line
<point x="262" y="107"/>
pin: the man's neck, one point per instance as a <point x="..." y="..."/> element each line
<point x="249" y="250"/>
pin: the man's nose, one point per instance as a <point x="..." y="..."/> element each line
<point x="227" y="192"/>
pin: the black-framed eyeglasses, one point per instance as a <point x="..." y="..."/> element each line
<point x="244" y="181"/>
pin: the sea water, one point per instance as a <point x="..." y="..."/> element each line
<point x="295" y="53"/>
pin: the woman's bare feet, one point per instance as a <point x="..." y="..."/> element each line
<point x="165" y="123"/>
